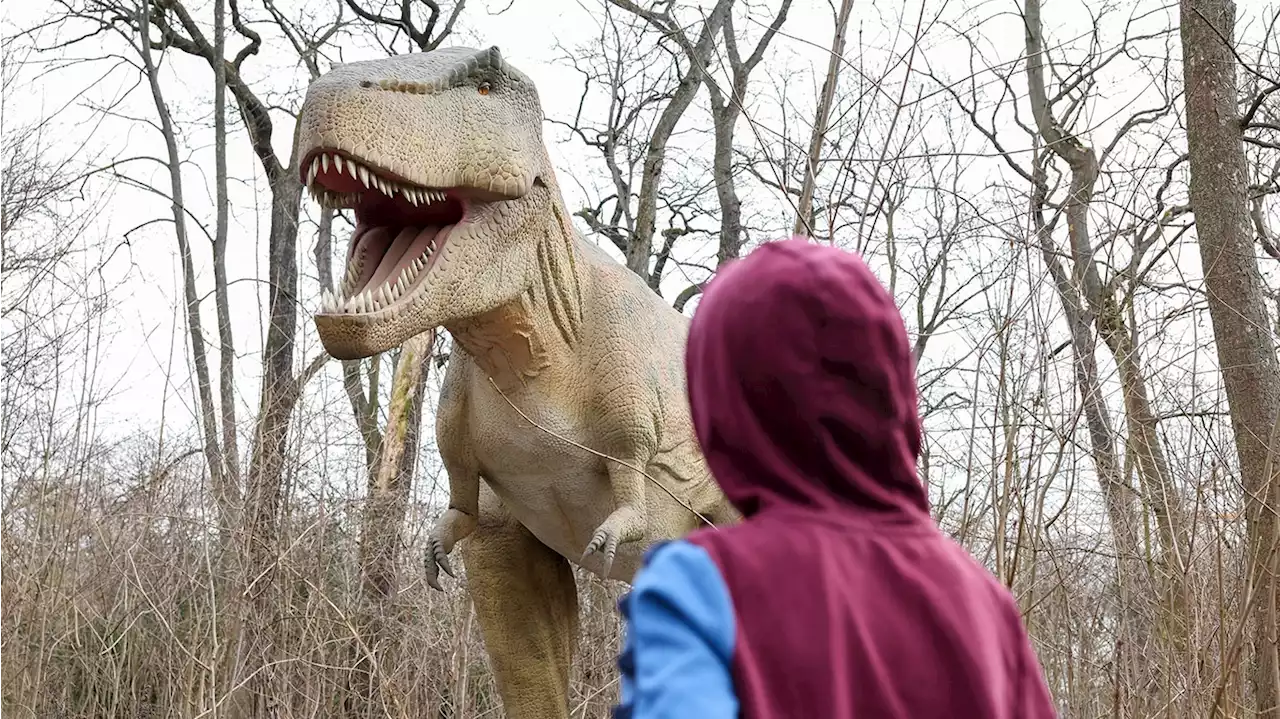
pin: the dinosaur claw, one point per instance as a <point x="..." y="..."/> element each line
<point x="442" y="559"/>
<point x="604" y="543"/>
<point x="434" y="560"/>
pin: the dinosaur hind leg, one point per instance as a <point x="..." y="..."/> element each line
<point x="526" y="601"/>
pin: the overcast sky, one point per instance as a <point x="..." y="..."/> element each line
<point x="143" y="338"/>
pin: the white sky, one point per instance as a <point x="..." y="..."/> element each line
<point x="141" y="342"/>
<point x="138" y="349"/>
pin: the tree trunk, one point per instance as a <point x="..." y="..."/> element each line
<point x="1233" y="284"/>
<point x="640" y="249"/>
<point x="264" y="490"/>
<point x="1101" y="311"/>
<point x="724" y="116"/>
<point x="804" y="210"/>
<point x="226" y="494"/>
<point x="226" y="344"/>
<point x="389" y="487"/>
<point x="385" y="506"/>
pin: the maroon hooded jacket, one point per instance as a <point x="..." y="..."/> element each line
<point x="849" y="601"/>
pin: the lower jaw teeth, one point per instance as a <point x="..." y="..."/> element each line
<point x="372" y="299"/>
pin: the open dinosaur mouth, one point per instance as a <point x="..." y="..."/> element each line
<point x="400" y="229"/>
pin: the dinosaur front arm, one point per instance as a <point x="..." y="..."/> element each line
<point x="630" y="438"/>
<point x="460" y="464"/>
<point x="627" y="522"/>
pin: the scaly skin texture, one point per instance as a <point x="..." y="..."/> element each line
<point x="542" y="321"/>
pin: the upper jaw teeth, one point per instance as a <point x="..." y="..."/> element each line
<point x="369" y="178"/>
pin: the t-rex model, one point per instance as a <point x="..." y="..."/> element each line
<point x="566" y="377"/>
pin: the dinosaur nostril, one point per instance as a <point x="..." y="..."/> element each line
<point x="366" y="83"/>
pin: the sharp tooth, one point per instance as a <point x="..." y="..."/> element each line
<point x="337" y="163"/>
<point x="364" y="176"/>
<point x="324" y="162"/>
<point x="385" y="292"/>
<point x="412" y="197"/>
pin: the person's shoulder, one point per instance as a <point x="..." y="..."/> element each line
<point x="675" y="560"/>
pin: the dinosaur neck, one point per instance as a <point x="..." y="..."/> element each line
<point x="514" y="342"/>
<point x="507" y="342"/>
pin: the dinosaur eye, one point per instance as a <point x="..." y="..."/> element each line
<point x="483" y="88"/>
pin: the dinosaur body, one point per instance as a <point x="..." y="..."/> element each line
<point x="561" y="355"/>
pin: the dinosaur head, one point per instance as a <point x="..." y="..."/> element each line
<point x="440" y="156"/>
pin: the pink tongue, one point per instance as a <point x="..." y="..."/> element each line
<point x="421" y="243"/>
<point x="410" y="244"/>
<point x="391" y="259"/>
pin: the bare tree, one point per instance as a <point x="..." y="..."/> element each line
<point x="699" y="52"/>
<point x="638" y="89"/>
<point x="1100" y="310"/>
<point x="226" y="492"/>
<point x="1246" y="351"/>
<point x="804" y="215"/>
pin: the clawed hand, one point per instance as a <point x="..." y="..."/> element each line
<point x="623" y="525"/>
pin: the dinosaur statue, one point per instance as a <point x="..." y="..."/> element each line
<point x="565" y="387"/>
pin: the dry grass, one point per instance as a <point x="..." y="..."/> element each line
<point x="113" y="607"/>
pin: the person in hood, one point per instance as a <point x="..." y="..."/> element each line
<point x="836" y="596"/>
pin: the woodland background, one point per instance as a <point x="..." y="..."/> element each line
<point x="1075" y="206"/>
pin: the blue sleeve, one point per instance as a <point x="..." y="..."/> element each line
<point x="678" y="644"/>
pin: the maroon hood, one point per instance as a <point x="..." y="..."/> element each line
<point x="802" y="385"/>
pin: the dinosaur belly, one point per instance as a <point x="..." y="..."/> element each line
<point x="557" y="490"/>
<point x="564" y="520"/>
